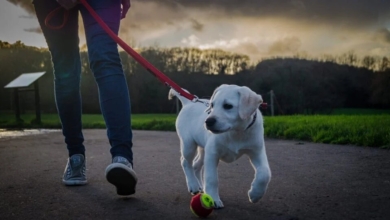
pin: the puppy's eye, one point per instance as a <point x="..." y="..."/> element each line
<point x="227" y="106"/>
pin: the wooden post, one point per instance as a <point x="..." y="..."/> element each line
<point x="37" y="103"/>
<point x="272" y="102"/>
<point x="17" y="106"/>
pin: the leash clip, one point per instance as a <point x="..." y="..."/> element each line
<point x="196" y="99"/>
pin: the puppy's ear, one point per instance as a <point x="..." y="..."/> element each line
<point x="249" y="102"/>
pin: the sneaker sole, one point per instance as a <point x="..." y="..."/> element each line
<point x="122" y="177"/>
<point x="74" y="182"/>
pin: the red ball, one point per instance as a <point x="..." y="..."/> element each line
<point x="202" y="205"/>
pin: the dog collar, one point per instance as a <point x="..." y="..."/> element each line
<point x="253" y="121"/>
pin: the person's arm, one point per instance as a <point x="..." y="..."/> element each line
<point x="125" y="7"/>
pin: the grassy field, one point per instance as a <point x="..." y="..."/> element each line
<point x="139" y="121"/>
<point x="364" y="129"/>
<point x="357" y="111"/>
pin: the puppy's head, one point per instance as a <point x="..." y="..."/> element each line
<point x="231" y="107"/>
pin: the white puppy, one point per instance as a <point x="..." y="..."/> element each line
<point x="231" y="126"/>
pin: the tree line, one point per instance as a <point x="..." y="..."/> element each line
<point x="302" y="85"/>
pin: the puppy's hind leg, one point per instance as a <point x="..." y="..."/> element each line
<point x="188" y="152"/>
<point x="198" y="165"/>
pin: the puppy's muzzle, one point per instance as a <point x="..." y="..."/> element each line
<point x="210" y="122"/>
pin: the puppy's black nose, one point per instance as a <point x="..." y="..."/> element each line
<point x="210" y="122"/>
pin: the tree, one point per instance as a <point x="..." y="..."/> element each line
<point x="384" y="64"/>
<point x="368" y="62"/>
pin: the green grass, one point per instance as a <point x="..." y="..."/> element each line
<point x="359" y="111"/>
<point x="160" y="122"/>
<point x="361" y="130"/>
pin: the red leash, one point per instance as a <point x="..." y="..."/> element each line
<point x="163" y="78"/>
<point x="157" y="73"/>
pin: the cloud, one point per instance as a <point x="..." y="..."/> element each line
<point x="298" y="5"/>
<point x="286" y="46"/>
<point x="196" y="25"/>
<point x="240" y="46"/>
<point x="27" y="17"/>
<point x="259" y="27"/>
<point x="34" y="30"/>
<point x="352" y="13"/>
<point x="192" y="41"/>
<point x="382" y="35"/>
<point x="25" y="4"/>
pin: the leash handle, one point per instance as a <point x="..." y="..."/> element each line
<point x="148" y="66"/>
<point x="51" y="15"/>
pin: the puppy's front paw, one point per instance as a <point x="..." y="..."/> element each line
<point x="196" y="192"/>
<point x="218" y="204"/>
<point x="195" y="189"/>
<point x="254" y="196"/>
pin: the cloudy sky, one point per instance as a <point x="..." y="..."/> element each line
<point x="258" y="28"/>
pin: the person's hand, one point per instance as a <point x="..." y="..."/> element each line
<point x="68" y="4"/>
<point x="125" y="7"/>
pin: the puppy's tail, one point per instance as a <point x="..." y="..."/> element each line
<point x="182" y="99"/>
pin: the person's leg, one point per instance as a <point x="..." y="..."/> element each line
<point x="107" y="69"/>
<point x="64" y="48"/>
<point x="113" y="92"/>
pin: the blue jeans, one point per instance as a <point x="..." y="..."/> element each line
<point x="105" y="64"/>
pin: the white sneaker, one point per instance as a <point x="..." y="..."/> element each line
<point x="74" y="173"/>
<point x="121" y="174"/>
